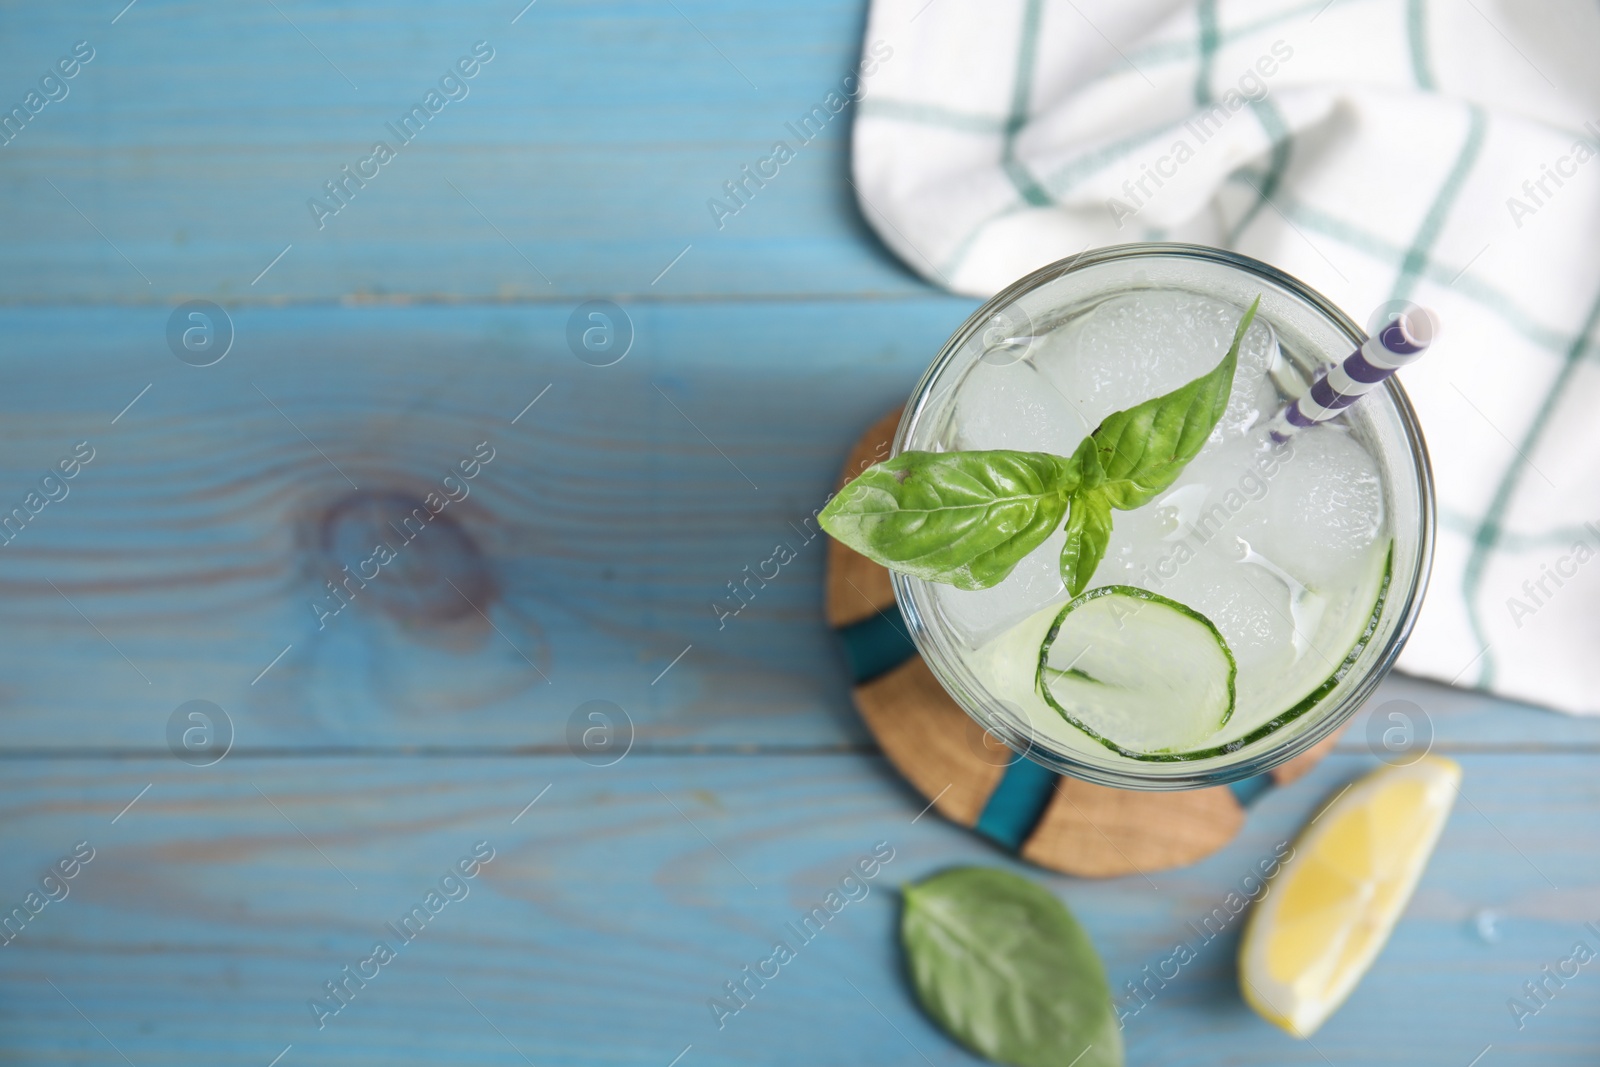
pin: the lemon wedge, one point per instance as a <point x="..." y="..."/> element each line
<point x="1332" y="906"/>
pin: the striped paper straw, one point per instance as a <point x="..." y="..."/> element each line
<point x="1400" y="337"/>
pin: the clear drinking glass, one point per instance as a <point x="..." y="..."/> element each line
<point x="1312" y="333"/>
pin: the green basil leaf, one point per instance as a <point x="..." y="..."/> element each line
<point x="962" y="518"/>
<point x="1088" y="534"/>
<point x="1086" y="458"/>
<point x="1003" y="967"/>
<point x="1144" y="449"/>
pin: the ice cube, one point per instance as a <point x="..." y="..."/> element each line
<point x="1306" y="606"/>
<point x="1249" y="605"/>
<point x="1012" y="405"/>
<point x="1248" y="408"/>
<point x="982" y="614"/>
<point x="1237" y="479"/>
<point x="1220" y="494"/>
<point x="1287" y="377"/>
<point x="1143" y="541"/>
<point x="1135" y="347"/>
<point x="1324" y="507"/>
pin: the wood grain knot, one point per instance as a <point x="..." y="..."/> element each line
<point x="405" y="554"/>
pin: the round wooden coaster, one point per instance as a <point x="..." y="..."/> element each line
<point x="1068" y="825"/>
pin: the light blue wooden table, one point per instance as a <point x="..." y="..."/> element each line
<point x="374" y="748"/>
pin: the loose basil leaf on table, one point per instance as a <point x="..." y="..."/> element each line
<point x="962" y="518"/>
<point x="1004" y="968"/>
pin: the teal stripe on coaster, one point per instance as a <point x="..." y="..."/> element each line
<point x="1016" y="804"/>
<point x="1247" y="790"/>
<point x="877" y="645"/>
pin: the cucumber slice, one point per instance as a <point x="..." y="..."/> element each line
<point x="1142" y="674"/>
<point x="1358" y="614"/>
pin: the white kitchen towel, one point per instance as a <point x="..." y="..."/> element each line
<point x="1442" y="151"/>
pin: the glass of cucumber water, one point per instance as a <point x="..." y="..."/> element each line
<point x="1221" y="616"/>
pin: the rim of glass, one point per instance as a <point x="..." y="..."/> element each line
<point x="1413" y="584"/>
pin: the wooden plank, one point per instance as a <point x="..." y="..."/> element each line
<point x="625" y="516"/>
<point x="598" y="539"/>
<point x="581" y="160"/>
<point x="618" y="904"/>
<point x="1461" y="721"/>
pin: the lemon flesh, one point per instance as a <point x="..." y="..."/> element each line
<point x="1331" y="908"/>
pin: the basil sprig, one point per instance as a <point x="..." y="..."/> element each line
<point x="1003" y="967"/>
<point x="968" y="518"/>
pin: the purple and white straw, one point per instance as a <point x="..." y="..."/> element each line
<point x="1400" y="338"/>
